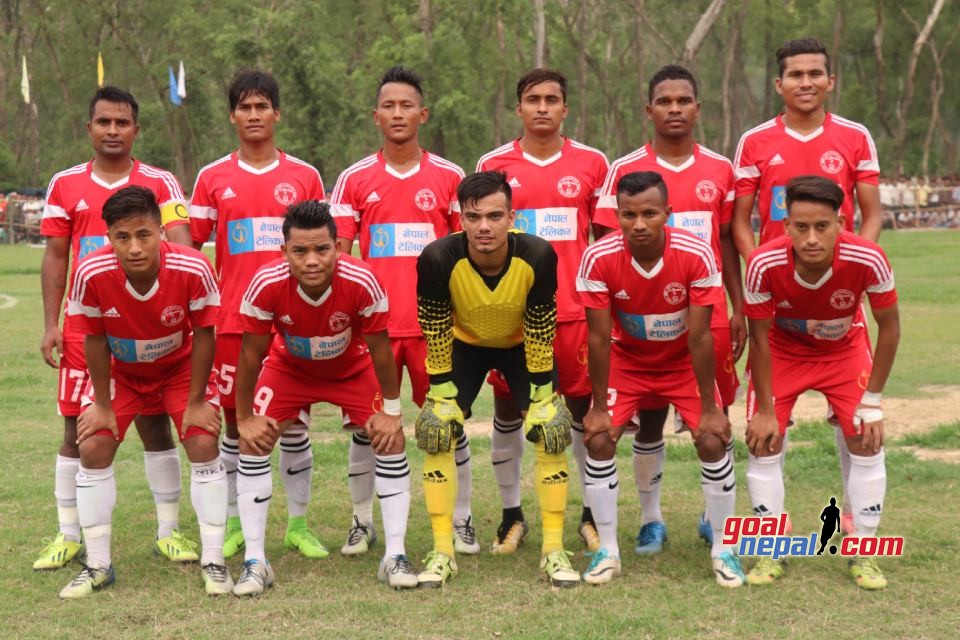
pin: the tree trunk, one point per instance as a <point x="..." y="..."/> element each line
<point x="839" y="20"/>
<point x="700" y="31"/>
<point x="640" y="15"/>
<point x="728" y="67"/>
<point x="540" y="31"/>
<point x="880" y="75"/>
<point x="770" y="67"/>
<point x="501" y="84"/>
<point x="582" y="96"/>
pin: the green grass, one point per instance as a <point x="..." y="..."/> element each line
<point x="672" y="595"/>
<point x="946" y="436"/>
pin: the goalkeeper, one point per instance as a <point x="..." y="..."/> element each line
<point x="487" y="300"/>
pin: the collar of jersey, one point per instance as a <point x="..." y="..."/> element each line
<point x="310" y="301"/>
<point x="796" y="135"/>
<point x="258" y="172"/>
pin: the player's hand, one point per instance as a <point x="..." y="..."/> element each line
<point x="385" y="432"/>
<point x="715" y="422"/>
<point x="868" y="422"/>
<point x="738" y="335"/>
<point x="260" y="433"/>
<point x="202" y="415"/>
<point x="52" y="339"/>
<point x="440" y="421"/>
<point x="763" y="434"/>
<point x="597" y="421"/>
<point x="548" y="419"/>
<point x="96" y="418"/>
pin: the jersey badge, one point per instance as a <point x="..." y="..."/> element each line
<point x="707" y="191"/>
<point x="842" y="299"/>
<point x="339" y="321"/>
<point x="831" y="162"/>
<point x="569" y="186"/>
<point x="675" y="293"/>
<point x="426" y="200"/>
<point x="172" y="316"/>
<point x="285" y="193"/>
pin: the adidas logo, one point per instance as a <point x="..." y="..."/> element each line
<point x="111" y="313"/>
<point x="227" y="194"/>
<point x="776" y="159"/>
<point x="656" y="479"/>
<point x="871" y="511"/>
<point x="621" y="295"/>
<point x="514" y="183"/>
<point x="558" y="478"/>
<point x="784" y="305"/>
<point x="82" y="205"/>
<point x="435" y="477"/>
<point x="373" y="197"/>
<point x="761" y="509"/>
<point x="286" y="319"/>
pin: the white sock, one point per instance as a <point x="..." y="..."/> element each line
<point x="229" y="455"/>
<point x="843" y="453"/>
<point x="580" y="455"/>
<point x="163" y="476"/>
<point x="393" y="490"/>
<point x="254" y="490"/>
<point x="506" y="445"/>
<point x="461" y="510"/>
<point x="868" y="486"/>
<point x="719" y="484"/>
<point x="96" y="497"/>
<point x="648" y="458"/>
<point x="360" y="478"/>
<point x="603" y="487"/>
<point x="765" y="485"/>
<point x="296" y="465"/>
<point x="65" y="491"/>
<point x="208" y="493"/>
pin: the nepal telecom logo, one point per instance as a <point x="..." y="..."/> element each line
<point x="767" y="536"/>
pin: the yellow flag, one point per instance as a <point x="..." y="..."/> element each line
<point x="99" y="69"/>
<point x="25" y="83"/>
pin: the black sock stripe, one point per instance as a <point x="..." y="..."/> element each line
<point x="725" y="468"/>
<point x="599" y="475"/>
<point x="715" y="477"/>
<point x="403" y="474"/>
<point x="253" y="475"/>
<point x="508" y="427"/>
<point x="392" y="464"/>
<point x="610" y="464"/>
<point x="229" y="448"/>
<point x="361" y="440"/>
<point x="639" y="449"/>
<point x="463" y="462"/>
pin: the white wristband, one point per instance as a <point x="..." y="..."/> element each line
<point x="865" y="415"/>
<point x="871" y="399"/>
<point x="392" y="407"/>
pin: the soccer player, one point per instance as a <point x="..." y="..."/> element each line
<point x="650" y="291"/>
<point x="146" y="308"/>
<point x="555" y="181"/>
<point x="243" y="198"/>
<point x="399" y="200"/>
<point x="700" y="183"/>
<point x="802" y="296"/>
<point x="323" y="315"/>
<point x="73" y="227"/>
<point x="806" y="139"/>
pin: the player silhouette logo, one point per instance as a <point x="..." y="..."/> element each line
<point x="831" y="524"/>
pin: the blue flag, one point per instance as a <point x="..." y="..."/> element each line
<point x="174" y="96"/>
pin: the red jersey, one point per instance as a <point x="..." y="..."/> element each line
<point x="323" y="338"/>
<point x="150" y="334"/>
<point x="397" y="215"/>
<point x="555" y="199"/>
<point x="246" y="207"/>
<point x="816" y="321"/>
<point x="770" y="155"/>
<point x="650" y="308"/>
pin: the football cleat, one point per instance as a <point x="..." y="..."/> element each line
<point x="556" y="565"/>
<point x="603" y="568"/>
<point x="57" y="553"/>
<point x="866" y="573"/>
<point x="650" y="539"/>
<point x="766" y="571"/>
<point x="89" y="579"/>
<point x="255" y="577"/>
<point x="233" y="541"/>
<point x="704" y="529"/>
<point x="177" y="548"/>
<point x="588" y="533"/>
<point x="438" y="568"/>
<point x="360" y="538"/>
<point x="216" y="579"/>
<point x="306" y="542"/>
<point x="397" y="572"/>
<point x="509" y="537"/>
<point x="728" y="570"/>
<point x="465" y="537"/>
<point x="846" y="523"/>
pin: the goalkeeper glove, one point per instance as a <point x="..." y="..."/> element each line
<point x="440" y="421"/>
<point x="548" y="419"/>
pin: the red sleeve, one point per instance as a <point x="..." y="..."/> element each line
<point x="204" y="297"/>
<point x="258" y="306"/>
<point x="453" y="213"/>
<point x="868" y="163"/>
<point x="758" y="299"/>
<point x="592" y="289"/>
<point x="203" y="210"/>
<point x="746" y="171"/>
<point x="373" y="306"/>
<point x="727" y="195"/>
<point x="315" y="188"/>
<point x="344" y="207"/>
<point x="880" y="286"/>
<point x="55" y="221"/>
<point x="84" y="306"/>
<point x="706" y="285"/>
<point x="605" y="210"/>
<point x="170" y="198"/>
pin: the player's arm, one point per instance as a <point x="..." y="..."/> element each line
<point x="258" y="432"/>
<point x="53" y="284"/>
<point x="200" y="413"/>
<point x="733" y="283"/>
<point x="868" y="412"/>
<point x="700" y="343"/>
<point x="435" y="314"/>
<point x="100" y="414"/>
<point x="180" y="234"/>
<point x="871" y="211"/>
<point x="763" y="431"/>
<point x="384" y="427"/>
<point x="597" y="419"/>
<point x="740" y="227"/>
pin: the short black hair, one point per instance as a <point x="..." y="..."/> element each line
<point x="309" y="214"/>
<point x="482" y="184"/>
<point x="253" y="82"/>
<point x="814" y="189"/>
<point x="117" y="96"/>
<point x="129" y="202"/>
<point x="403" y="75"/>
<point x="797" y="47"/>
<point x="539" y="76"/>
<point x="639" y="181"/>
<point x="672" y="72"/>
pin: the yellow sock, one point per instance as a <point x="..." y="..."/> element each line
<point x="440" y="493"/>
<point x="552" y="480"/>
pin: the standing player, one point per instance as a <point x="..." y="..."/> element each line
<point x="73" y="227"/>
<point x="802" y="297"/>
<point x="650" y="290"/>
<point x="806" y="139"/>
<point x="146" y="308"/>
<point x="700" y="183"/>
<point x="555" y="182"/>
<point x="329" y="316"/>
<point x="487" y="300"/>
<point x="399" y="200"/>
<point x="243" y="198"/>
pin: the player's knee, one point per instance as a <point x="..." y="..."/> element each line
<point x="855" y="447"/>
<point x="201" y="447"/>
<point x="601" y="447"/>
<point x="97" y="452"/>
<point x="710" y="448"/>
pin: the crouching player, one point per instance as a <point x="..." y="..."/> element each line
<point x="650" y="291"/>
<point x="329" y="314"/>
<point x="151" y="305"/>
<point x="802" y="293"/>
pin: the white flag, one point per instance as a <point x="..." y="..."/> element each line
<point x="25" y="83"/>
<point x="182" y="82"/>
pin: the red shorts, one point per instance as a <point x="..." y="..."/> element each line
<point x="73" y="379"/>
<point x="282" y="393"/>
<point x="225" y="369"/>
<point x="133" y="396"/>
<point x="412" y="353"/>
<point x="726" y="370"/>
<point x="632" y="391"/>
<point x="841" y="381"/>
<point x="570" y="358"/>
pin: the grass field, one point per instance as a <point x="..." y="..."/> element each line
<point x="671" y="595"/>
